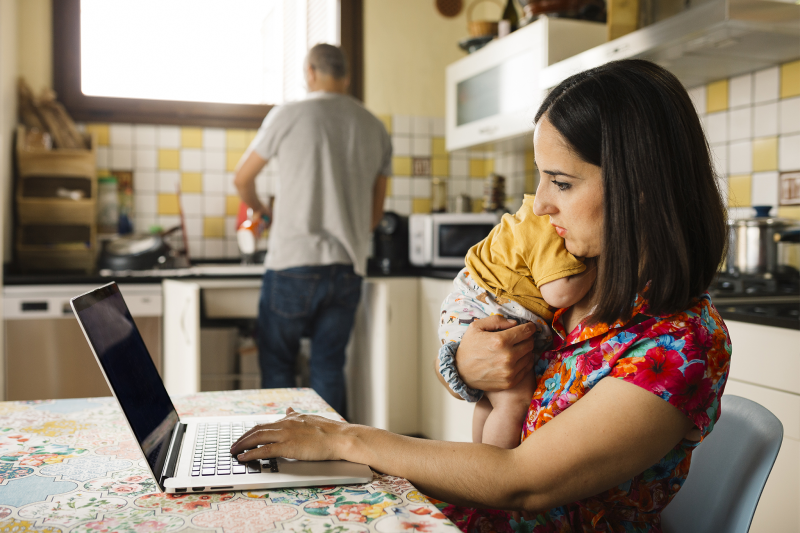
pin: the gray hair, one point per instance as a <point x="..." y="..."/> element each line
<point x="328" y="59"/>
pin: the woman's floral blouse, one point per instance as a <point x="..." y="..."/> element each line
<point x="682" y="358"/>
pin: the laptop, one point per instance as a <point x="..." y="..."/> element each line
<point x="186" y="454"/>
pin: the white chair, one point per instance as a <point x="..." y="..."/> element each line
<point x="728" y="472"/>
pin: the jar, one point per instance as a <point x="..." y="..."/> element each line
<point x="107" y="205"/>
<point x="438" y="195"/>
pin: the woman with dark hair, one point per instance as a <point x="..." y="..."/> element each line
<point x="626" y="178"/>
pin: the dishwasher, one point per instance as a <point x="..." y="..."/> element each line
<point x="46" y="354"/>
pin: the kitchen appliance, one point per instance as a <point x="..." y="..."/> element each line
<point x="753" y="245"/>
<point x="133" y="252"/>
<point x="390" y="244"/>
<point x="443" y="239"/>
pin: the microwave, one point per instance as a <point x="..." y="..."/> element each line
<point x="443" y="239"/>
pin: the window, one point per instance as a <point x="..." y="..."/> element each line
<point x="205" y="62"/>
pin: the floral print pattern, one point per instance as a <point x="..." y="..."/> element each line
<point x="683" y="359"/>
<point x="183" y="503"/>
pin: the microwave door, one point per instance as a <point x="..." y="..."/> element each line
<point x="452" y="241"/>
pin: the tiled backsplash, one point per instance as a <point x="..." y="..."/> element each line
<point x="752" y="123"/>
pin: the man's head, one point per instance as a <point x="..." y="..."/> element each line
<point x="326" y="69"/>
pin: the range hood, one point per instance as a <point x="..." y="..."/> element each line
<point x="710" y="41"/>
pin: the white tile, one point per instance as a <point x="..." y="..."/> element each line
<point x="401" y="186"/>
<point x="102" y="157"/>
<point x="459" y="167"/>
<point x="232" y="249"/>
<point x="740" y="157"/>
<point x="789" y="113"/>
<point x="194" y="226"/>
<point x="765" y="120"/>
<point x="722" y="185"/>
<point x="764" y="188"/>
<point x="719" y="157"/>
<point x="740" y="212"/>
<point x="144" y="136"/>
<point x="121" y="158"/>
<point x="196" y="249"/>
<point x="421" y="147"/>
<point x="401" y="145"/>
<point x="421" y="126"/>
<point x="515" y="185"/>
<point x="168" y="137"/>
<point x="740" y="124"/>
<point x="192" y="203"/>
<point x="230" y="187"/>
<point x="401" y="124"/>
<point x="717" y="127"/>
<point x="766" y="85"/>
<point x="214" y="160"/>
<point x="698" y="96"/>
<point x="213" y="205"/>
<point x="476" y="188"/>
<point x="144" y="181"/>
<point x="191" y="160"/>
<point x="514" y="204"/>
<point x="213" y="182"/>
<point x="230" y="227"/>
<point x="142" y="223"/>
<point x="168" y="181"/>
<point x="789" y="152"/>
<point x="421" y="187"/>
<point x="388" y="204"/>
<point x="437" y="124"/>
<point x="402" y="206"/>
<point x="740" y="91"/>
<point x="457" y="186"/>
<point x="144" y="203"/>
<point x="214" y="248"/>
<point x="168" y="221"/>
<point x="120" y="135"/>
<point x="213" y="138"/>
<point x="145" y="159"/>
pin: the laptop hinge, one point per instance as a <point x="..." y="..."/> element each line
<point x="173" y="452"/>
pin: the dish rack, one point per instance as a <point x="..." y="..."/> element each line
<point x="56" y="204"/>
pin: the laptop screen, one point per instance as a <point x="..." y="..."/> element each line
<point x="129" y="370"/>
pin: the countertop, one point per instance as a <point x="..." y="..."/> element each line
<point x="73" y="465"/>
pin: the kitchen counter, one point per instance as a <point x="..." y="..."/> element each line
<point x="74" y="464"/>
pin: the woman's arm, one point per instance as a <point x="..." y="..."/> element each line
<point x="613" y="433"/>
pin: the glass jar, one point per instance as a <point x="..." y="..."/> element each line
<point x="438" y="195"/>
<point x="107" y="205"/>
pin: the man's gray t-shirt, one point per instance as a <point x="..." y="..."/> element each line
<point x="330" y="150"/>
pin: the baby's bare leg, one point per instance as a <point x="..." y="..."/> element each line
<point x="482" y="410"/>
<point x="503" y="425"/>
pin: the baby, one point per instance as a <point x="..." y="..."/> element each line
<point x="521" y="271"/>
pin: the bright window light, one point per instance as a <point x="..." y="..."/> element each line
<point x="221" y="51"/>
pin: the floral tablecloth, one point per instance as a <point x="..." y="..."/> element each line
<point x="73" y="466"/>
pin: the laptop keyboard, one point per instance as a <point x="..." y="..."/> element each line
<point x="212" y="450"/>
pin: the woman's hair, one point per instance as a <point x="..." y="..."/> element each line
<point x="665" y="222"/>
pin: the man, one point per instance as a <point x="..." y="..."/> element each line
<point x="335" y="157"/>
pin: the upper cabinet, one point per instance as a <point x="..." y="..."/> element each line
<point x="493" y="94"/>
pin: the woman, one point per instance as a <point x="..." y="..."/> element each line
<point x="626" y="178"/>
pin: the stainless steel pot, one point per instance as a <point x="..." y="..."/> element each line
<point x="753" y="245"/>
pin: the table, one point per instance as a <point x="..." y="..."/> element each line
<point x="73" y="466"/>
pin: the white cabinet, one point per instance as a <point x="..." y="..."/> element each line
<point x="765" y="365"/>
<point x="382" y="368"/>
<point x="442" y="417"/>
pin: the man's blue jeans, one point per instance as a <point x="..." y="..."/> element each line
<point x="318" y="302"/>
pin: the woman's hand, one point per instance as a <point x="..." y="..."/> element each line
<point x="298" y="436"/>
<point x="495" y="353"/>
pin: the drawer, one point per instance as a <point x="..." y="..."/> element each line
<point x="767" y="356"/>
<point x="784" y="405"/>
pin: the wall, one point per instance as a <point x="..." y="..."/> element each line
<point x="35" y="45"/>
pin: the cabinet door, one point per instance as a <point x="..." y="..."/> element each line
<point x="442" y="417"/>
<point x="181" y="337"/>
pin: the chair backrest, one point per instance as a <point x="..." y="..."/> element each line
<point x="728" y="472"/>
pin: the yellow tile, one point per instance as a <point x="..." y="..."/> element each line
<point x="213" y="227"/>
<point x="233" y="157"/>
<point x="387" y="122"/>
<point x="530" y="182"/>
<point x="789" y="211"/>
<point x="401" y="166"/>
<point x="232" y="205"/>
<point x="441" y="166"/>
<point x="790" y="79"/>
<point x="488" y="167"/>
<point x="168" y="204"/>
<point x="477" y="205"/>
<point x="477" y="168"/>
<point x="236" y="139"/>
<point x="765" y="154"/>
<point x="168" y="159"/>
<point x="421" y="205"/>
<point x="717" y="96"/>
<point x="251" y="134"/>
<point x="191" y="182"/>
<point x="192" y="137"/>
<point x="101" y="131"/>
<point x="437" y="147"/>
<point x="529" y="160"/>
<point x="739" y="188"/>
<point x="388" y="187"/>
